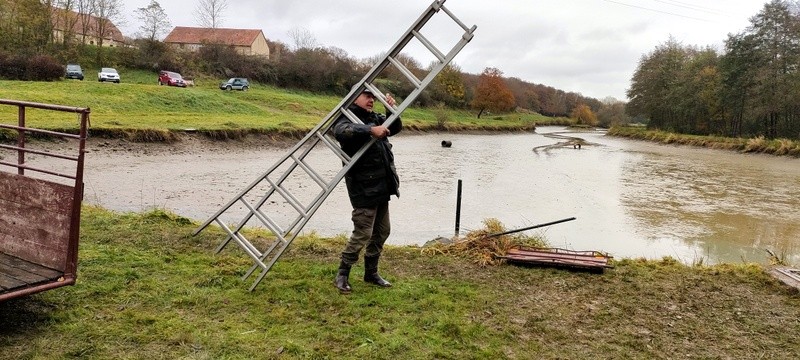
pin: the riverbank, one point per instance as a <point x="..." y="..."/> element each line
<point x="147" y="289"/>
<point x="779" y="147"/>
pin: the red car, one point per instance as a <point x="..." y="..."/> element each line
<point x="170" y="78"/>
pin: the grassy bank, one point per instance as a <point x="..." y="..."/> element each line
<point x="141" y="110"/>
<point x="147" y="289"/>
<point x="756" y="145"/>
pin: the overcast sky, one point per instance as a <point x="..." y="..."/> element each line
<point x="590" y="47"/>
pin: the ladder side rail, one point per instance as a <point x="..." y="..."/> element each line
<point x="268" y="266"/>
<point x="305" y="220"/>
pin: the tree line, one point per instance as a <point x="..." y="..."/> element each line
<point x="750" y="90"/>
<point x="306" y="65"/>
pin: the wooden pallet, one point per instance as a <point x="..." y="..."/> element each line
<point x="587" y="260"/>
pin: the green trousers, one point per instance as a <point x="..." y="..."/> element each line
<point x="371" y="228"/>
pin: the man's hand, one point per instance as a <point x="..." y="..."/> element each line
<point x="390" y="99"/>
<point x="379" y="131"/>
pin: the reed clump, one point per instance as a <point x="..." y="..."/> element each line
<point x="483" y="247"/>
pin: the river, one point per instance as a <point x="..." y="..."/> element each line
<point x="630" y="198"/>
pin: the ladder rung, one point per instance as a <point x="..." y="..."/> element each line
<point x="429" y="45"/>
<point x="337" y="150"/>
<point x="463" y="26"/>
<point x="378" y="95"/>
<point x="351" y="116"/>
<point x="288" y="197"/>
<point x="318" y="179"/>
<point x="247" y="247"/>
<point x="271" y="225"/>
<point x="404" y="70"/>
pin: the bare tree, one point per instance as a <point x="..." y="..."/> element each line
<point x="106" y="12"/>
<point x="85" y="10"/>
<point x="67" y="19"/>
<point x="154" y="21"/>
<point x="302" y="38"/>
<point x="209" y="13"/>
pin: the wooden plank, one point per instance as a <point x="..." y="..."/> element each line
<point x="8" y="283"/>
<point x="587" y="259"/>
<point x="36" y="193"/>
<point x="21" y="274"/>
<point x="30" y="267"/>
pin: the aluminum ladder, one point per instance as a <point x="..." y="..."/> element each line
<point x="277" y="180"/>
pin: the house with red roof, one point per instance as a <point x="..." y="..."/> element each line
<point x="244" y="41"/>
<point x="85" y="28"/>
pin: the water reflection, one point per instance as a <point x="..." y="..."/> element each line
<point x="726" y="206"/>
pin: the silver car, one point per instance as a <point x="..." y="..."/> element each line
<point x="235" y="84"/>
<point x="108" y="74"/>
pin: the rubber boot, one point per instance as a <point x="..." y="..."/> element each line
<point x="371" y="272"/>
<point x="342" y="281"/>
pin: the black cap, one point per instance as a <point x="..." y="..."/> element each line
<point x="365" y="91"/>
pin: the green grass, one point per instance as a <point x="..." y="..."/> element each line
<point x="148" y="289"/>
<point x="139" y="104"/>
<point x="755" y="145"/>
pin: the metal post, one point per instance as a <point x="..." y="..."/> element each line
<point x="458" y="208"/>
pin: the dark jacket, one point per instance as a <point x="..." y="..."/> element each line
<point x="373" y="178"/>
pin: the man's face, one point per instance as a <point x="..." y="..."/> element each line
<point x="365" y="101"/>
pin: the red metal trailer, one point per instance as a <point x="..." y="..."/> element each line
<point x="39" y="208"/>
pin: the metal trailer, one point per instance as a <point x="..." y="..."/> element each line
<point x="40" y="209"/>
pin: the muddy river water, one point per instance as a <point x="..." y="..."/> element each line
<point x="630" y="198"/>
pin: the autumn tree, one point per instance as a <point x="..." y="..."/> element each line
<point x="612" y="112"/>
<point x="209" y="13"/>
<point x="448" y="87"/>
<point x="492" y="93"/>
<point x="154" y="21"/>
<point x="583" y="115"/>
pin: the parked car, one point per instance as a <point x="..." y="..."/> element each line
<point x="108" y="74"/>
<point x="74" y="71"/>
<point x="170" y="78"/>
<point x="235" y="84"/>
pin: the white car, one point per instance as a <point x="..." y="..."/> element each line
<point x="108" y="74"/>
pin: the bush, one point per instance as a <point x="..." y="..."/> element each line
<point x="12" y="67"/>
<point x="43" y="68"/>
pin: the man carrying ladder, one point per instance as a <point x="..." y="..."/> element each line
<point x="370" y="183"/>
